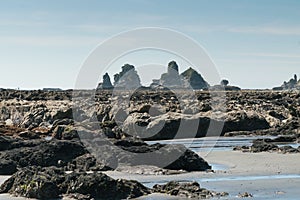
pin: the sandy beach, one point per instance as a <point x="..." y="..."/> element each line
<point x="256" y="163"/>
<point x="264" y="175"/>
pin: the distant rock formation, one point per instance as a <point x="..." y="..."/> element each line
<point x="128" y="78"/>
<point x="171" y="79"/>
<point x="192" y="78"/>
<point x="224" y="86"/>
<point x="106" y="84"/>
<point x="155" y="83"/>
<point x="293" y="83"/>
<point x="52" y="89"/>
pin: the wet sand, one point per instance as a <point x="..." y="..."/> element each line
<point x="256" y="163"/>
<point x="265" y="175"/>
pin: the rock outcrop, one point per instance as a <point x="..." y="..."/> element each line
<point x="73" y="155"/>
<point x="293" y="83"/>
<point x="224" y="86"/>
<point x="192" y="79"/>
<point x="272" y="145"/>
<point x="171" y="79"/>
<point x="51" y="182"/>
<point x="128" y="78"/>
<point x="187" y="190"/>
<point x="106" y="84"/>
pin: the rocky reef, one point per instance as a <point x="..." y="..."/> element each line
<point x="273" y="145"/>
<point x="293" y="83"/>
<point x="52" y="131"/>
<point x="52" y="182"/>
<point x="187" y="190"/>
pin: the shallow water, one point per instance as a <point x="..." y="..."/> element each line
<point x="213" y="143"/>
<point x="229" y="179"/>
<point x="279" y="187"/>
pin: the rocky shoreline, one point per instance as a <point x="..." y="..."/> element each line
<point x="40" y="135"/>
<point x="272" y="145"/>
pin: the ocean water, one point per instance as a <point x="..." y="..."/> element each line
<point x="213" y="143"/>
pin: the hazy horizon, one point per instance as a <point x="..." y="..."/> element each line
<point x="254" y="44"/>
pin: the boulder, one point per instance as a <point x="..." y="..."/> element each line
<point x="86" y="162"/>
<point x="173" y="157"/>
<point x="51" y="182"/>
<point x="65" y="132"/>
<point x="261" y="146"/>
<point x="43" y="153"/>
<point x="244" y="121"/>
<point x="191" y="190"/>
<point x="63" y="114"/>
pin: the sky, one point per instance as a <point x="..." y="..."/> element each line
<point x="253" y="43"/>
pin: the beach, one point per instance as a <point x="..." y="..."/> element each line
<point x="265" y="175"/>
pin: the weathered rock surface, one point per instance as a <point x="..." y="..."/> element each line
<point x="192" y="79"/>
<point x="106" y="84"/>
<point x="127" y="78"/>
<point x="51" y="182"/>
<point x="107" y="154"/>
<point x="293" y="83"/>
<point x="39" y="153"/>
<point x="187" y="190"/>
<point x="253" y="111"/>
<point x="272" y="145"/>
<point x="171" y="79"/>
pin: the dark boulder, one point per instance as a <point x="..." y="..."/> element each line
<point x="44" y="153"/>
<point x="174" y="157"/>
<point x="242" y="121"/>
<point x="260" y="145"/>
<point x="186" y="190"/>
<point x="63" y="132"/>
<point x="63" y="114"/>
<point x="86" y="162"/>
<point x="7" y="167"/>
<point x="34" y="183"/>
<point x="51" y="182"/>
<point x="101" y="186"/>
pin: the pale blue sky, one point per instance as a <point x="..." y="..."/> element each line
<point x="254" y="43"/>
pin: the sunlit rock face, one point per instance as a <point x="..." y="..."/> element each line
<point x="128" y="78"/>
<point x="293" y="83"/>
<point x="171" y="79"/>
<point x="106" y="84"/>
<point x="191" y="78"/>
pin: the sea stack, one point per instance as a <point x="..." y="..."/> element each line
<point x="128" y="78"/>
<point x="193" y="79"/>
<point x="171" y="79"/>
<point x="106" y="84"/>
